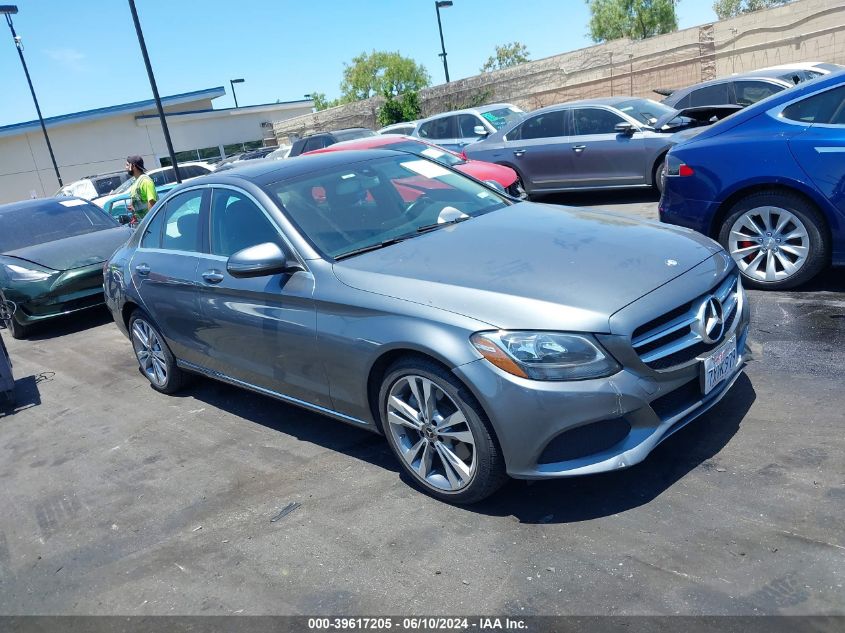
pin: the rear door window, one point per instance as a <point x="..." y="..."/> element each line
<point x="546" y="125"/>
<point x="825" y="107"/>
<point x="716" y="94"/>
<point x="444" y="127"/>
<point x="182" y="222"/>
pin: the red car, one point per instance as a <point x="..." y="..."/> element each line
<point x="491" y="173"/>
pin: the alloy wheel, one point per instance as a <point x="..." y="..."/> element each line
<point x="150" y="352"/>
<point x="431" y="433"/>
<point x="769" y="243"/>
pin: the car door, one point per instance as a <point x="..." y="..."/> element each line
<point x="601" y="156"/>
<point x="540" y="149"/>
<point x="820" y="149"/>
<point x="259" y="330"/>
<point x="441" y="131"/>
<point x="164" y="266"/>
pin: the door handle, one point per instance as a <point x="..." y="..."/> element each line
<point x="579" y="148"/>
<point x="142" y="269"/>
<point x="213" y="276"/>
<point x="519" y="152"/>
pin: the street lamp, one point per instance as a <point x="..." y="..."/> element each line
<point x="442" y="4"/>
<point x="9" y="10"/>
<point x="232" y="83"/>
<point x="159" y="107"/>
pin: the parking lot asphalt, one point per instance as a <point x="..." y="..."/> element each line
<point x="119" y="500"/>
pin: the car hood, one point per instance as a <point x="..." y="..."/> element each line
<point x="532" y="266"/>
<point x="76" y="251"/>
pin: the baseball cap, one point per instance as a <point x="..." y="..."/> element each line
<point x="137" y="161"/>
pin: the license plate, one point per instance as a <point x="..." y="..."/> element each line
<point x="719" y="365"/>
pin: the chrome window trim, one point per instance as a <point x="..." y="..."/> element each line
<point x="777" y="111"/>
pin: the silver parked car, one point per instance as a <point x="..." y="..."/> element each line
<point x="591" y="144"/>
<point x="457" y="129"/>
<point x="483" y="337"/>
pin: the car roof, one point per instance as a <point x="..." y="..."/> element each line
<point x="264" y="171"/>
<point x="367" y="142"/>
<point x="606" y="101"/>
<point x="479" y="109"/>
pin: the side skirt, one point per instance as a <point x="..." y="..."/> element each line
<point x="215" y="375"/>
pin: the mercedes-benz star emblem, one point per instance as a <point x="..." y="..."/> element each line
<point x="711" y="320"/>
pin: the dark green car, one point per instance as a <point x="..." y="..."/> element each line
<point x="51" y="257"/>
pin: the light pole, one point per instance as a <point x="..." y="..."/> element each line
<point x="155" y="90"/>
<point x="9" y="10"/>
<point x="442" y="4"/>
<point x="232" y="83"/>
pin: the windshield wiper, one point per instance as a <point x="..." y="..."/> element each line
<point x="425" y="228"/>
<point x="374" y="247"/>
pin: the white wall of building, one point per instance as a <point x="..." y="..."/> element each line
<point x="101" y="145"/>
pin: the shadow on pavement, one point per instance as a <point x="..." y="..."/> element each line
<point x="300" y="423"/>
<point x="555" y="501"/>
<point x="26" y="395"/>
<point x="70" y="324"/>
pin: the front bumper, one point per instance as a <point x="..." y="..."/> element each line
<point x="598" y="425"/>
<point x="70" y="292"/>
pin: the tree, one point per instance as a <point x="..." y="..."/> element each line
<point x="405" y="108"/>
<point x="506" y="56"/>
<point x="732" y="8"/>
<point x="635" y="19"/>
<point x="381" y="73"/>
<point x="321" y="102"/>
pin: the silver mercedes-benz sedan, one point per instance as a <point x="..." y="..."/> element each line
<point x="484" y="337"/>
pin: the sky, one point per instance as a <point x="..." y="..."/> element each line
<point x="84" y="54"/>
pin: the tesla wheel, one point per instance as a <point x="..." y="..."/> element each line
<point x="439" y="433"/>
<point x="777" y="239"/>
<point x="155" y="359"/>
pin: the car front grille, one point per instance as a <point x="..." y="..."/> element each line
<point x="673" y="340"/>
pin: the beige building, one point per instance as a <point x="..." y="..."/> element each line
<point x="98" y="141"/>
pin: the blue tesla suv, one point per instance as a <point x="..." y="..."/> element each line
<point x="769" y="184"/>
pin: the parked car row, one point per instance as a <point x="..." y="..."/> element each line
<point x="484" y="336"/>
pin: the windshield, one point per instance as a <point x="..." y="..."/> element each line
<point x="503" y="117"/>
<point x="364" y="204"/>
<point x="54" y="220"/>
<point x="645" y="111"/>
<point x="421" y="149"/>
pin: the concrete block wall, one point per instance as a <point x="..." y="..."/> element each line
<point x="805" y="30"/>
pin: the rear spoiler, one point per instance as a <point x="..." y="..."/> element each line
<point x="663" y="91"/>
<point x="701" y="115"/>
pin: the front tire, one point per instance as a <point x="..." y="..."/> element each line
<point x="439" y="433"/>
<point x="17" y="330"/>
<point x="155" y="360"/>
<point x="777" y="239"/>
<point x="659" y="175"/>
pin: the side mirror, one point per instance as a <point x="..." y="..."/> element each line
<point x="260" y="261"/>
<point x="625" y="128"/>
<point x="479" y="130"/>
<point x="123" y="218"/>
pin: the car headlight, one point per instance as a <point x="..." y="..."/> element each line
<point x="21" y="273"/>
<point x="545" y="355"/>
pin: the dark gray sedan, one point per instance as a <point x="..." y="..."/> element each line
<point x="591" y="144"/>
<point x="483" y="337"/>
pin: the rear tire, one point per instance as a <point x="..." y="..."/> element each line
<point x="155" y="360"/>
<point x="443" y="439"/>
<point x="778" y="239"/>
<point x="659" y="175"/>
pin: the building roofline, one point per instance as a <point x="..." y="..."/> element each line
<point x="239" y="110"/>
<point x="101" y="113"/>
